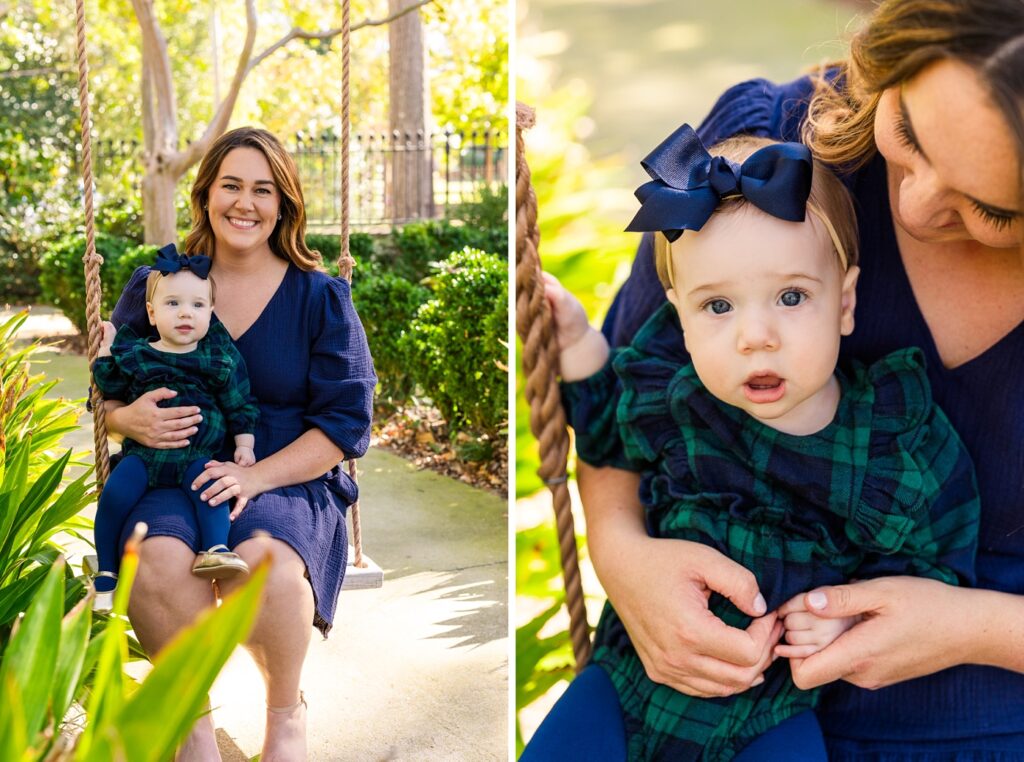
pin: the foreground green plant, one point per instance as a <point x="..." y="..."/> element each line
<point x="33" y="507"/>
<point x="44" y="667"/>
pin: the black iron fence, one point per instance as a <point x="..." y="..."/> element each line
<point x="393" y="178"/>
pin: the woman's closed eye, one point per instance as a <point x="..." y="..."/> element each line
<point x="998" y="220"/>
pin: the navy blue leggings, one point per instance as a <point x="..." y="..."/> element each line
<point x="127" y="484"/>
<point x="586" y="724"/>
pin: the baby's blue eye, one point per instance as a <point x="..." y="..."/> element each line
<point x="718" y="306"/>
<point x="792" y="298"/>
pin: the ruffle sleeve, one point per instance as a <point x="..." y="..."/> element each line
<point x="114" y="374"/>
<point x="341" y="377"/>
<point x="918" y="508"/>
<point x="590" y="407"/>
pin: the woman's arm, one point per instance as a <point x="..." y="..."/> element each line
<point x="310" y="456"/>
<point x="161" y="428"/>
<point x="660" y="589"/>
<point x="912" y="627"/>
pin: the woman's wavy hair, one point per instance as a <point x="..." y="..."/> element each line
<point x="828" y="194"/>
<point x="900" y="39"/>
<point x="288" y="241"/>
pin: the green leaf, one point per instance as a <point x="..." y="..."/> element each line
<point x="161" y="714"/>
<point x="15" y="596"/>
<point x="31" y="655"/>
<point x="13" y="737"/>
<point x="74" y="642"/>
<point x="41" y="491"/>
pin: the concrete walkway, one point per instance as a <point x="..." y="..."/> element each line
<point x="417" y="670"/>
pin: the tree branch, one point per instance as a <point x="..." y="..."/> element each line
<point x="154" y="51"/>
<point x="222" y="116"/>
<point x="302" y="34"/>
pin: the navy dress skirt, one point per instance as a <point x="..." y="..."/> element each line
<point x="309" y="367"/>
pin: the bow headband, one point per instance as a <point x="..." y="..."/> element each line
<point x="168" y="261"/>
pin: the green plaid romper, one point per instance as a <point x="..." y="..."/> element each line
<point x="887" y="488"/>
<point x="211" y="377"/>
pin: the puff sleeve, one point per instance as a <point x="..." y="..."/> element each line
<point x="130" y="309"/>
<point x="341" y="376"/>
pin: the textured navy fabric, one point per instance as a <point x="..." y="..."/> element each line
<point x="309" y="367"/>
<point x="946" y="715"/>
<point x="585" y="724"/>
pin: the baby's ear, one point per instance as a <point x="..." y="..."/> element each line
<point x="149" y="311"/>
<point x="673" y="296"/>
<point x="848" y="301"/>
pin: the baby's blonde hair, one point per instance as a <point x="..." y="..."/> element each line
<point x="155" y="276"/>
<point x="828" y="195"/>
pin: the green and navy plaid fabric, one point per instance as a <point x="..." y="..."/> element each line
<point x="886" y="488"/>
<point x="211" y="377"/>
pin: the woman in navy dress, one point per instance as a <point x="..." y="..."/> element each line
<point x="932" y="140"/>
<point x="311" y="373"/>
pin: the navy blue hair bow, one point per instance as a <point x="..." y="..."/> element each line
<point x="168" y="261"/>
<point x="688" y="183"/>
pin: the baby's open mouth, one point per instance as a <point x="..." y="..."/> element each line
<point x="764" y="388"/>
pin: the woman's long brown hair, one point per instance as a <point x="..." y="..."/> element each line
<point x="900" y="39"/>
<point x="288" y="240"/>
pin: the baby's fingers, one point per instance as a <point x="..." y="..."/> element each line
<point x="796" y="652"/>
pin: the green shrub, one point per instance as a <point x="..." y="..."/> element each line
<point x="387" y="305"/>
<point x="62" y="273"/>
<point x="488" y="213"/>
<point x="458" y="340"/>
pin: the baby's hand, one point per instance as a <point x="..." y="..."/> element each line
<point x="570" y="317"/>
<point x="244" y="456"/>
<point x="582" y="350"/>
<point x="806" y="633"/>
<point x="108" y="338"/>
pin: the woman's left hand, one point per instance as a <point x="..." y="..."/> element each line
<point x="229" y="480"/>
<point x="911" y="627"/>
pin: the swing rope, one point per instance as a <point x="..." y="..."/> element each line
<point x="92" y="260"/>
<point x="345" y="261"/>
<point x="536" y="329"/>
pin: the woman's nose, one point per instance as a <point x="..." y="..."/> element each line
<point x="924" y="201"/>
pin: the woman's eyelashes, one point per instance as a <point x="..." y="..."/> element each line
<point x="997" y="220"/>
<point x="904" y="135"/>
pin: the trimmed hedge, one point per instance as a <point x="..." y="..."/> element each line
<point x="387" y="305"/>
<point x="62" y="273"/>
<point x="458" y="340"/>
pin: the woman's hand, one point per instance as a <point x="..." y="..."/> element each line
<point x="161" y="428"/>
<point x="910" y="627"/>
<point x="229" y="481"/>
<point x="664" y="605"/>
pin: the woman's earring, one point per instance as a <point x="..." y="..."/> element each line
<point x="278" y="215"/>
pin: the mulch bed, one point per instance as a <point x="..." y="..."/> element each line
<point x="418" y="433"/>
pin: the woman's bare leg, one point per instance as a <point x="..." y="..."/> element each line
<point x="165" y="598"/>
<point x="278" y="643"/>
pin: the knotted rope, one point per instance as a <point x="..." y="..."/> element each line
<point x="92" y="260"/>
<point x="536" y="329"/>
<point x="345" y="259"/>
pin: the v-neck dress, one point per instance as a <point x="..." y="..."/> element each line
<point x="309" y="367"/>
<point x="967" y="712"/>
<point x="886" y="488"/>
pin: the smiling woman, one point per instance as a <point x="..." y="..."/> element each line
<point x="312" y="377"/>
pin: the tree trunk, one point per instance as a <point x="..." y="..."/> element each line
<point x="159" y="184"/>
<point x="412" y="184"/>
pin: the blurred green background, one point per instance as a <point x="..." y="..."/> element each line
<point x="609" y="79"/>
